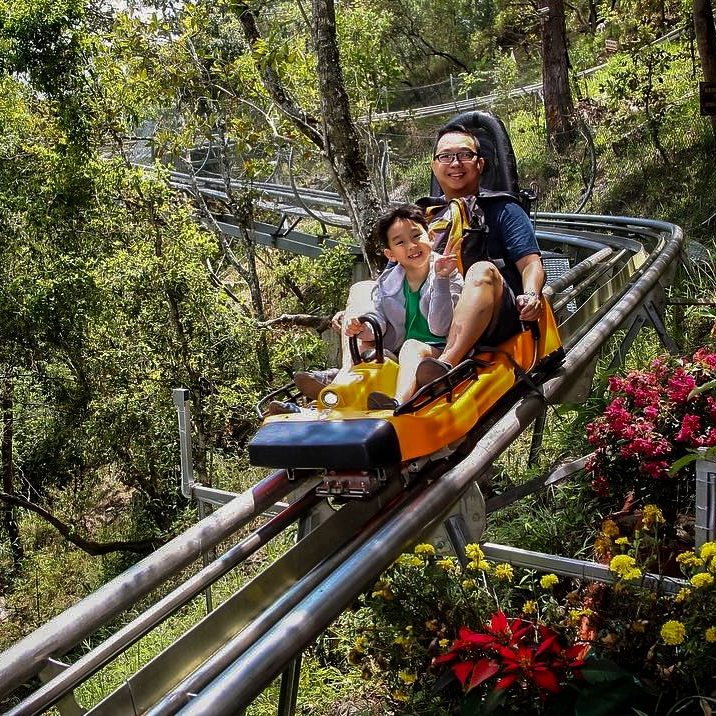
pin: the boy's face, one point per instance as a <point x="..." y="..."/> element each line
<point x="409" y="244"/>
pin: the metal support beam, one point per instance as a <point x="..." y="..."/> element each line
<point x="705" y="523"/>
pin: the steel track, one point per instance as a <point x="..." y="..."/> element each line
<point x="618" y="269"/>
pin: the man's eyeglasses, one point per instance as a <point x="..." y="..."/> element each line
<point x="449" y="157"/>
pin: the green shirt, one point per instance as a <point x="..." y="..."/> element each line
<point x="416" y="325"/>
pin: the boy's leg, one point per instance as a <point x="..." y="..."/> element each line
<point x="360" y="301"/>
<point x="411" y="354"/>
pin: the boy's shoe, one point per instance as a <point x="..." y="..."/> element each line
<point x="278" y="407"/>
<point x="430" y="369"/>
<point x="381" y="401"/>
<point x="312" y="382"/>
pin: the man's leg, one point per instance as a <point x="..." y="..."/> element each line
<point x="360" y="301"/>
<point x="480" y="299"/>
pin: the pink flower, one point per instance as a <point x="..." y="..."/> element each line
<point x="656" y="469"/>
<point x="680" y="385"/>
<point x="690" y="424"/>
<point x="617" y="416"/>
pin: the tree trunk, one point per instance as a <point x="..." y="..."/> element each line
<point x="9" y="521"/>
<point x="339" y="139"/>
<point x="558" y="107"/>
<point x="342" y="145"/>
<point x="706" y="39"/>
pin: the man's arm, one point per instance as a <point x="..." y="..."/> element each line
<point x="529" y="302"/>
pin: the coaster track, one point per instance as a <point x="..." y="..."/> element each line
<point x="617" y="270"/>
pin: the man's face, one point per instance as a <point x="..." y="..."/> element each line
<point x="457" y="178"/>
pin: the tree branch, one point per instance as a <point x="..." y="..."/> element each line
<point x="308" y="125"/>
<point x="90" y="546"/>
<point x="304" y="320"/>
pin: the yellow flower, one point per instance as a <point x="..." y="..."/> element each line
<point x="529" y="607"/>
<point x="689" y="559"/>
<point x="702" y="579"/>
<point x="625" y="567"/>
<point x="479" y="565"/>
<point x="708" y="550"/>
<point x="443" y="643"/>
<point x="548" y="581"/>
<point x="426" y="549"/>
<point x="400" y="696"/>
<point x="682" y="595"/>
<point x="710" y="634"/>
<point x="504" y="572"/>
<point x="610" y="528"/>
<point x="621" y="540"/>
<point x="407" y="677"/>
<point x="403" y="641"/>
<point x="432" y="625"/>
<point x="410" y="560"/>
<point x="474" y="551"/>
<point x="673" y="632"/>
<point x="359" y="644"/>
<point x="449" y="564"/>
<point x="651" y="516"/>
<point x="469" y="584"/>
<point x="602" y="546"/>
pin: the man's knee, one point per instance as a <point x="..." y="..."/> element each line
<point x="483" y="274"/>
<point x="360" y="299"/>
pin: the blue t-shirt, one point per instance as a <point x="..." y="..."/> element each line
<point x="509" y="237"/>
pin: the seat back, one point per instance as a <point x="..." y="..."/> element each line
<point x="500" y="171"/>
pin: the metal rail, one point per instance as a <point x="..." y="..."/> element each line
<point x="243" y="649"/>
<point x="248" y="675"/>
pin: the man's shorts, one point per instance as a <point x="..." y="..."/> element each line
<point x="506" y="321"/>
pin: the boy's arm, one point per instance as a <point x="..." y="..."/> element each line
<point x="445" y="292"/>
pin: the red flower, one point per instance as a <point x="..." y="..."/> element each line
<point x="680" y="385"/>
<point x="690" y="424"/>
<point x="515" y="651"/>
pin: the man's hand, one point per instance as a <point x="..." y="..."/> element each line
<point x="337" y="322"/>
<point x="529" y="305"/>
<point x="444" y="265"/>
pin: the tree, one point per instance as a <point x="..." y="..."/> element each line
<point x="558" y="107"/>
<point x="706" y="40"/>
<point x="335" y="135"/>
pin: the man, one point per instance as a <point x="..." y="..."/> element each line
<point x="493" y="302"/>
<point x="491" y="306"/>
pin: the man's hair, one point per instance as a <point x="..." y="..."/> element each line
<point x="412" y="212"/>
<point x="455" y="128"/>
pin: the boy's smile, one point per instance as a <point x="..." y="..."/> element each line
<point x="409" y="245"/>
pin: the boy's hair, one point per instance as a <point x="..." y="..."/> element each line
<point x="412" y="212"/>
<point x="455" y="128"/>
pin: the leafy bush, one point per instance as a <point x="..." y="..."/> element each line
<point x="655" y="418"/>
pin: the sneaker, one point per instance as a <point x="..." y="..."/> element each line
<point x="381" y="401"/>
<point x="312" y="382"/>
<point x="430" y="369"/>
<point x="278" y="407"/>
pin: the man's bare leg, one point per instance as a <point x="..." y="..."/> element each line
<point x="360" y="301"/>
<point x="481" y="296"/>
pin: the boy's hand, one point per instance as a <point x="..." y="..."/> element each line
<point x="354" y="327"/>
<point x="444" y="265"/>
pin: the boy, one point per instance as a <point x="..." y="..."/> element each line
<point x="414" y="298"/>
